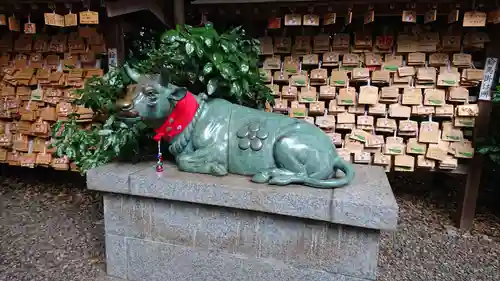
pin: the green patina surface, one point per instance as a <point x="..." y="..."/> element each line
<point x="227" y="138"/>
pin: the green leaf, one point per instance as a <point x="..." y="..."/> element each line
<point x="198" y="30"/>
<point x="211" y="86"/>
<point x="244" y="68"/>
<point x="244" y="56"/>
<point x="60" y="151"/>
<point x="217" y="59"/>
<point x="237" y="30"/>
<point x="227" y="71"/>
<point x="109" y="121"/>
<point x="170" y="36"/>
<point x="199" y="52"/>
<point x="189" y="48"/>
<point x="57" y="127"/>
<point x="233" y="58"/>
<point x="235" y="89"/>
<point x="484" y="150"/>
<point x="245" y="86"/>
<point x="208" y="42"/>
<point x="208" y="68"/>
<point x="70" y="152"/>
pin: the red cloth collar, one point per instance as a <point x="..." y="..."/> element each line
<point x="182" y="114"/>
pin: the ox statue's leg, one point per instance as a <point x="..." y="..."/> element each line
<point x="291" y="161"/>
<point x="203" y="161"/>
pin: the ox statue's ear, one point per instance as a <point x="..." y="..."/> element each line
<point x="171" y="91"/>
<point x="134" y="75"/>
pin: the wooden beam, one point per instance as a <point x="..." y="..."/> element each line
<point x="206" y="2"/>
<point x="253" y="10"/>
<point x="123" y="7"/>
<point x="209" y="2"/>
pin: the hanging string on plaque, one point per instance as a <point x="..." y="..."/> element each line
<point x="14" y="24"/>
<point x="89" y="17"/>
<point x="70" y="19"/>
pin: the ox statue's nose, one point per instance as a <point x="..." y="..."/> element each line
<point x="124" y="104"/>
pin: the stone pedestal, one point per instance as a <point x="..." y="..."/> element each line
<point x="185" y="227"/>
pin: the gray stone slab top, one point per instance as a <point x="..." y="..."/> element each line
<point x="367" y="202"/>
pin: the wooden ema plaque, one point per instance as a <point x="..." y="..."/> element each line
<point x="89" y="17"/>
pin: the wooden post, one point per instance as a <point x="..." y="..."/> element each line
<point x="113" y="35"/>
<point x="467" y="195"/>
<point x="179" y="12"/>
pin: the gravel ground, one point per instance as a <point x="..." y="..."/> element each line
<point x="51" y="229"/>
<point x="428" y="247"/>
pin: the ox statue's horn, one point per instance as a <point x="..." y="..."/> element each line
<point x="134" y="75"/>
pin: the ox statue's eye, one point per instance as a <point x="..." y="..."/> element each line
<point x="149" y="91"/>
<point x="150" y="95"/>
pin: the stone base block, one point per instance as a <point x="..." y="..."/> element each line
<point x="192" y="227"/>
<point x="160" y="240"/>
